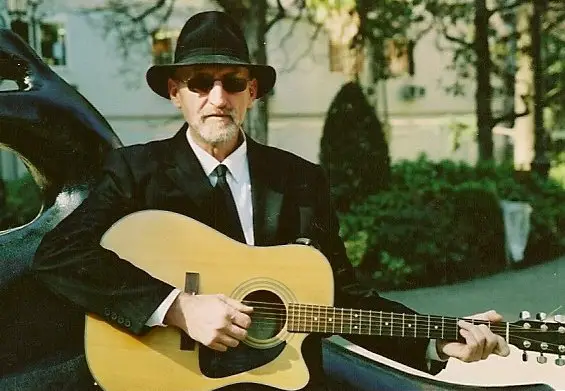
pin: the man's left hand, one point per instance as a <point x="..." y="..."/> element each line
<point x="480" y="342"/>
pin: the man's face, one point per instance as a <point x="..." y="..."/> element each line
<point x="213" y="99"/>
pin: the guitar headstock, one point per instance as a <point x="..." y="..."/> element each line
<point x="542" y="334"/>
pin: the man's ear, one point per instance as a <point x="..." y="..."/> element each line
<point x="174" y="92"/>
<point x="253" y="86"/>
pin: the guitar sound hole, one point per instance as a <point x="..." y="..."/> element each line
<point x="269" y="314"/>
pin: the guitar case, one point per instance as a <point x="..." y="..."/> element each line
<point x="62" y="139"/>
<point x="351" y="368"/>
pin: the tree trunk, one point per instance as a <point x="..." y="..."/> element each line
<point x="252" y="17"/>
<point x="254" y="24"/>
<point x="483" y="94"/>
<point x="524" y="129"/>
<point x="540" y="163"/>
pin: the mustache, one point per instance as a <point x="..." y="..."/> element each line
<point x="220" y="114"/>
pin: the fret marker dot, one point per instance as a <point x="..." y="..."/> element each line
<point x="386" y="323"/>
<point x="435" y="327"/>
<point x="355" y="327"/>
<point x="330" y="319"/>
<point x="356" y="315"/>
<point x="409" y="325"/>
<point x="315" y="318"/>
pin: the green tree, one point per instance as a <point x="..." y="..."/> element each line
<point x="492" y="43"/>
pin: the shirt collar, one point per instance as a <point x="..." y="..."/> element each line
<point x="236" y="162"/>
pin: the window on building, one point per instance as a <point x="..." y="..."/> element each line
<point x="53" y="47"/>
<point x="400" y="56"/>
<point x="163" y="42"/>
<point x="51" y="40"/>
<point x="344" y="58"/>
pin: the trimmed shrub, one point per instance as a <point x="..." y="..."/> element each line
<point x="353" y="149"/>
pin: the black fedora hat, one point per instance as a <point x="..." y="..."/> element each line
<point x="210" y="38"/>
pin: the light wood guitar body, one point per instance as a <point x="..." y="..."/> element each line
<point x="168" y="245"/>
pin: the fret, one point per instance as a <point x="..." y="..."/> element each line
<point x="386" y="326"/>
<point x="313" y="318"/>
<point x="442" y="328"/>
<point x="370" y="318"/>
<point x="435" y="332"/>
<point x="359" y="321"/>
<point x="364" y="322"/>
<point x="298" y="316"/>
<point x="341" y="323"/>
<point x="332" y="319"/>
<point x="308" y="319"/>
<point x="317" y="319"/>
<point x="391" y="323"/>
<point x="507" y="332"/>
<point x="326" y="320"/>
<point x="456" y="328"/>
<point x="428" y="326"/>
<point x="381" y="323"/>
<point x="403" y="324"/>
<point x="415" y="325"/>
<point x="315" y="326"/>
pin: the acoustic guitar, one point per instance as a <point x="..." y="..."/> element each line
<point x="291" y="290"/>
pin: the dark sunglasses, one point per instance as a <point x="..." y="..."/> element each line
<point x="203" y="83"/>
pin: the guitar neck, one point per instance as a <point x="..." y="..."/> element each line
<point x="306" y="318"/>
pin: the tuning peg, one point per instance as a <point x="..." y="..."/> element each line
<point x="524" y="315"/>
<point x="560" y="361"/>
<point x="542" y="359"/>
<point x="559" y="318"/>
<point x="524" y="356"/>
<point x="541" y="316"/>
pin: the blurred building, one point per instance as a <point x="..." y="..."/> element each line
<point x="422" y="117"/>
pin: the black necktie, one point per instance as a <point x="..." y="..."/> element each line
<point x="226" y="218"/>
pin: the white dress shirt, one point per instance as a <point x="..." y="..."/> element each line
<point x="239" y="181"/>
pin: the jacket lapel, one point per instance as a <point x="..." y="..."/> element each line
<point x="185" y="171"/>
<point x="267" y="200"/>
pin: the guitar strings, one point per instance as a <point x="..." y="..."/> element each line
<point x="348" y="316"/>
<point x="303" y="320"/>
<point x="450" y="330"/>
<point x="398" y="329"/>
<point x="282" y="309"/>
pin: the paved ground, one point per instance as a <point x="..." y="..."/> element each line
<point x="535" y="289"/>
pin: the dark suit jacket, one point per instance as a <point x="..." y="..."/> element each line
<point x="290" y="200"/>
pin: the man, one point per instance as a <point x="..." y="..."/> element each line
<point x="277" y="198"/>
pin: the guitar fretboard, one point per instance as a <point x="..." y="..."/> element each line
<point x="324" y="319"/>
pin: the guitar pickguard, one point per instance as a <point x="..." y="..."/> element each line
<point x="216" y="364"/>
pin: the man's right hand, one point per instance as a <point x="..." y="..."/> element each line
<point x="216" y="321"/>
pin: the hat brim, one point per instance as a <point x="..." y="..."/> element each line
<point x="157" y="76"/>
